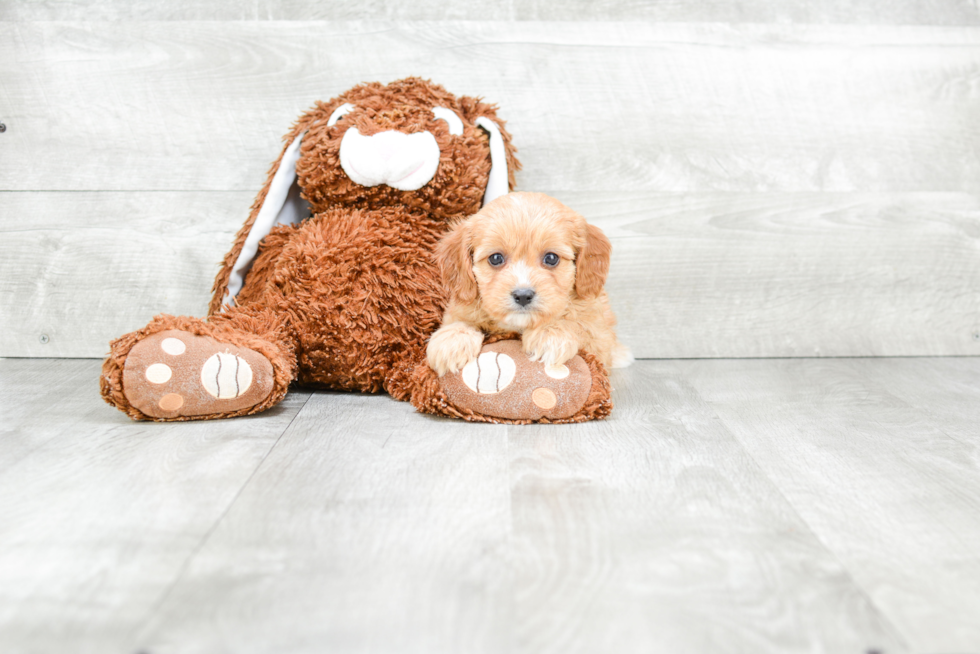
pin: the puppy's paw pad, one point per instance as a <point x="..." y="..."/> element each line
<point x="174" y="374"/>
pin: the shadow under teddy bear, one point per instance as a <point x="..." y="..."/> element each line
<point x="332" y="281"/>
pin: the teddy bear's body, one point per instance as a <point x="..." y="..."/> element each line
<point x="351" y="295"/>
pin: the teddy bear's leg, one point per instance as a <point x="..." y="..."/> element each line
<point x="400" y="382"/>
<point x="503" y="385"/>
<point x="180" y="368"/>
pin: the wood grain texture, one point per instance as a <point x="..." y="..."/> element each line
<point x="370" y="528"/>
<point x="201" y="105"/>
<point x="944" y="391"/>
<point x="760" y="506"/>
<point x="693" y="275"/>
<point x="879" y="12"/>
<point x="23" y="427"/>
<point x="763" y="275"/>
<point x="654" y="531"/>
<point x="84" y="268"/>
<point x="99" y="514"/>
<point x="846" y="453"/>
<point x="708" y="151"/>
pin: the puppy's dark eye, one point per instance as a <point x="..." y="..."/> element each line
<point x="551" y="259"/>
<point x="496" y="259"/>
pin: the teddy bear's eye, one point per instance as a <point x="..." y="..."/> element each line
<point x="339" y="113"/>
<point x="551" y="259"/>
<point x="496" y="259"/>
<point x="448" y="115"/>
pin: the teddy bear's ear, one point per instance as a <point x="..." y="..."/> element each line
<point x="282" y="205"/>
<point x="497" y="183"/>
<point x="502" y="160"/>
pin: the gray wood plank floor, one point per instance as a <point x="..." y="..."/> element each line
<point x="817" y="505"/>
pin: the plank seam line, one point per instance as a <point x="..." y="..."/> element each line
<point x="137" y="631"/>
<point x="809" y="528"/>
<point x="63" y="383"/>
<point x="510" y="547"/>
<point x="805" y="356"/>
<point x="906" y="402"/>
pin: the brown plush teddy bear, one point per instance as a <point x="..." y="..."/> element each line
<point x="332" y="280"/>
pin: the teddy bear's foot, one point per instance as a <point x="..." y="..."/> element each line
<point x="176" y="374"/>
<point x="503" y="385"/>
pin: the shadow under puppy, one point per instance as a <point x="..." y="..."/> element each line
<point x="526" y="263"/>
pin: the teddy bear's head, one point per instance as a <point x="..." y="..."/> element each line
<point x="409" y="143"/>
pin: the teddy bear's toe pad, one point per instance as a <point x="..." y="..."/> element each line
<point x="175" y="373"/>
<point x="503" y="383"/>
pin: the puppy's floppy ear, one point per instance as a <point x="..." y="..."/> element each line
<point x="456" y="264"/>
<point x="592" y="263"/>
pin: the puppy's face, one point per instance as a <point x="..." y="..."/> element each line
<point x="523" y="258"/>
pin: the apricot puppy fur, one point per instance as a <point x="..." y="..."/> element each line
<point x="526" y="263"/>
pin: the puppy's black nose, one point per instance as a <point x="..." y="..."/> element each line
<point x="523" y="296"/>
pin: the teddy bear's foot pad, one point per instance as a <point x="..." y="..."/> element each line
<point x="503" y="383"/>
<point x="174" y="373"/>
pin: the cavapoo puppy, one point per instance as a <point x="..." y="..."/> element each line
<point x="526" y="263"/>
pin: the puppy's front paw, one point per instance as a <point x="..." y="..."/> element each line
<point x="452" y="346"/>
<point x="550" y="346"/>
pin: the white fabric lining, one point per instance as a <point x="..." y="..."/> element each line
<point x="497" y="183"/>
<point x="448" y="115"/>
<point x="282" y="205"/>
<point x="339" y="113"/>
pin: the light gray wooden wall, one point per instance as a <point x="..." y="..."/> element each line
<point x="778" y="178"/>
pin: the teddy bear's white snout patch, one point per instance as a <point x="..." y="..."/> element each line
<point x="403" y="161"/>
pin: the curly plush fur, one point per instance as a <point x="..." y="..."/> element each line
<point x="428" y="395"/>
<point x="405" y="105"/>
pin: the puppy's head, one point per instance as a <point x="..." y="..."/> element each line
<point x="522" y="259"/>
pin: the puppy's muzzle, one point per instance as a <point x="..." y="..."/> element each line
<point x="523" y="296"/>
